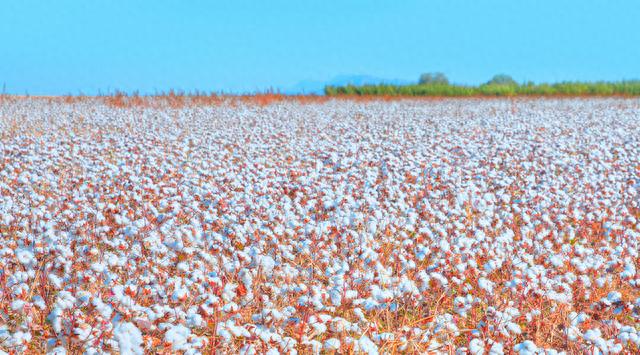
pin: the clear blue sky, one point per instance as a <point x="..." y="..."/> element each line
<point x="59" y="47"/>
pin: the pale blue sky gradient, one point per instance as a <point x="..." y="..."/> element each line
<point x="59" y="47"/>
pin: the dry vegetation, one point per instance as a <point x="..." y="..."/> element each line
<point x="306" y="224"/>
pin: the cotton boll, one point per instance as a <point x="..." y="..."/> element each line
<point x="266" y="264"/>
<point x="55" y="318"/>
<point x="129" y="338"/>
<point x="25" y="257"/>
<point x="383" y="337"/>
<point x="526" y="348"/>
<point x="486" y="285"/>
<point x="476" y="346"/>
<point x="178" y="337"/>
<point x="513" y="328"/>
<point x="336" y="297"/>
<point x="364" y="345"/>
<point x="331" y="344"/>
<point x="18" y="306"/>
<point x="496" y="349"/>
<point x="318" y="328"/>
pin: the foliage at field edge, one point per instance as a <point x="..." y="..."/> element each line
<point x="495" y="87"/>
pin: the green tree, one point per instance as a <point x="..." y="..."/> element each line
<point x="433" y="78"/>
<point x="502" y="79"/>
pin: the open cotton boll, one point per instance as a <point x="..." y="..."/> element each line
<point x="331" y="344"/>
<point x="364" y="345"/>
<point x="526" y="348"/>
<point x="129" y="338"/>
<point x="266" y="264"/>
<point x="476" y="346"/>
<point x="486" y="285"/>
<point x="629" y="334"/>
<point x="496" y="349"/>
<point x="178" y="337"/>
<point x="383" y="337"/>
<point x="18" y="306"/>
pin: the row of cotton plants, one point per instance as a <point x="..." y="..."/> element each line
<point x="446" y="226"/>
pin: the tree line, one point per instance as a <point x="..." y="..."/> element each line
<point x="437" y="84"/>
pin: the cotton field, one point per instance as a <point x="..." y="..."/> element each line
<point x="468" y="226"/>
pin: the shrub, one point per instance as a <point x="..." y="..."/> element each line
<point x="433" y="78"/>
<point x="502" y="79"/>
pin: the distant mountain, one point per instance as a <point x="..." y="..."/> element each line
<point x="317" y="87"/>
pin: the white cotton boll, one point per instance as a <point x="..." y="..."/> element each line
<point x="339" y="325"/>
<point x="592" y="335"/>
<point x="65" y="300"/>
<point x="179" y="294"/>
<point x="303" y="301"/>
<point x="183" y="266"/>
<point x="331" y="344"/>
<point x="601" y="281"/>
<point x="230" y="307"/>
<point x="612" y="298"/>
<point x="476" y="346"/>
<point x="526" y="348"/>
<point x="18" y="306"/>
<point x="224" y="333"/>
<point x="319" y="328"/>
<point x="629" y="334"/>
<point x="381" y="295"/>
<point x="104" y="309"/>
<point x="336" y="297"/>
<point x="444" y="282"/>
<point x="360" y="314"/>
<point x="383" y="337"/>
<point x="25" y="257"/>
<point x="229" y="292"/>
<point x="556" y="260"/>
<point x="350" y="294"/>
<point x="614" y="348"/>
<point x="486" y="285"/>
<point x="513" y="328"/>
<point x="55" y="318"/>
<point x="444" y="245"/>
<point x="629" y="271"/>
<point x="492" y="265"/>
<point x="496" y="349"/>
<point x="407" y="286"/>
<point x="266" y="264"/>
<point x="194" y="320"/>
<point x="98" y="267"/>
<point x="364" y="345"/>
<point x="6" y="218"/>
<point x="178" y="337"/>
<point x="461" y="306"/>
<point x="373" y="227"/>
<point x="129" y="338"/>
<point x="39" y="302"/>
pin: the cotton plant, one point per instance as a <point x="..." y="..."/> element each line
<point x="239" y="225"/>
